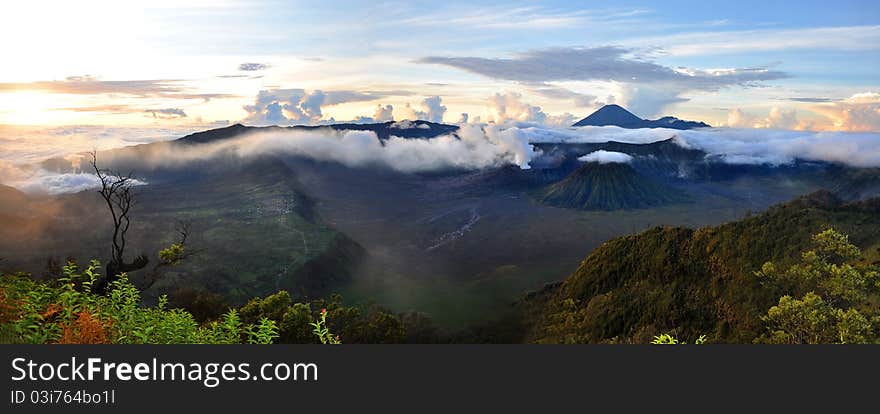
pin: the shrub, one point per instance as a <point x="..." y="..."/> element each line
<point x="34" y="312"/>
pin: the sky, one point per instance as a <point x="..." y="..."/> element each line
<point x="175" y="65"/>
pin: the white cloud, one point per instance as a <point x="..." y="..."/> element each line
<point x="383" y="113"/>
<point x="36" y="180"/>
<point x="720" y="42"/>
<point x="431" y="110"/>
<point x="477" y="146"/>
<point x="407" y="124"/>
<point x="607" y="157"/>
<point x="859" y="112"/>
<point x="517" y="18"/>
<point x="22" y="144"/>
<point x="509" y="109"/>
<point x="647" y="101"/>
<point x="735" y="146"/>
<point x="472" y="147"/>
<point x="297" y="106"/>
<point x="580" y="100"/>
<point x="604" y="63"/>
<point x="777" y="118"/>
<point x="646" y="86"/>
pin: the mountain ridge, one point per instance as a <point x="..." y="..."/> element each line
<point x="384" y="130"/>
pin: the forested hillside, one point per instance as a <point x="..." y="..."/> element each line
<point x="697" y="282"/>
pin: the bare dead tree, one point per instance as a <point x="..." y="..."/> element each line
<point x="116" y="190"/>
<point x="183" y="228"/>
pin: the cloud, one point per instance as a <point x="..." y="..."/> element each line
<point x="859" y="112"/>
<point x="518" y="18"/>
<point x="297" y="106"/>
<point x="606" y="157"/>
<point x="475" y="146"/>
<point x="167" y="113"/>
<point x="407" y="124"/>
<point x="504" y="17"/>
<point x="44" y="182"/>
<point x="648" y="101"/>
<point x="252" y="67"/>
<point x="24" y="144"/>
<point x="509" y="109"/>
<point x="811" y="100"/>
<point x="483" y="146"/>
<point x="732" y="145"/>
<point x="108" y="109"/>
<point x="431" y="110"/>
<point x="472" y="147"/>
<point x="646" y="86"/>
<point x="383" y="113"/>
<point x="777" y="118"/>
<point x="848" y="38"/>
<point x="605" y="63"/>
<point x="118" y="109"/>
<point x="737" y="118"/>
<point x="435" y="109"/>
<point x="580" y="100"/>
<point x="35" y="180"/>
<point x="89" y="85"/>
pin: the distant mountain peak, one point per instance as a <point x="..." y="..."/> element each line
<point x="616" y="115"/>
<point x="611" y="115"/>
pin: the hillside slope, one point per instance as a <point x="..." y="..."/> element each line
<point x="612" y="186"/>
<point x="692" y="282"/>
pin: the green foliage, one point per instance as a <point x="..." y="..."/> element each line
<point x="633" y="288"/>
<point x="829" y="269"/>
<point x="356" y="324"/>
<point x="811" y="320"/>
<point x="71" y="313"/>
<point x="172" y="255"/>
<point x="835" y="290"/>
<point x="665" y="339"/>
<point x="264" y="333"/>
<point x="668" y="339"/>
<point x="322" y="332"/>
<point x="291" y="319"/>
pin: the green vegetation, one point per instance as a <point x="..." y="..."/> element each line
<point x="299" y="323"/>
<point x="634" y="288"/>
<point x="668" y="339"/>
<point x="68" y="312"/>
<point x="322" y="332"/>
<point x="838" y="296"/>
<point x="803" y="272"/>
